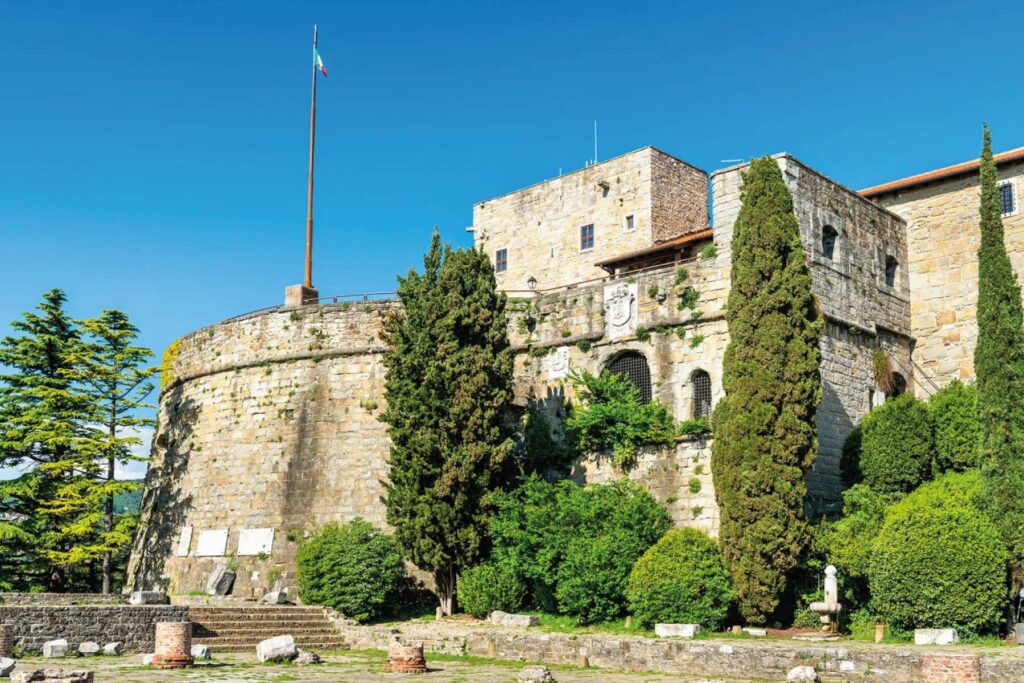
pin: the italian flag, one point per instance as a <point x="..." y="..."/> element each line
<point x="319" y="63"/>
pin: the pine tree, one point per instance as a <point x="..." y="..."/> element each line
<point x="117" y="381"/>
<point x="448" y="389"/>
<point x="765" y="433"/>
<point x="45" y="431"/>
<point x="999" y="363"/>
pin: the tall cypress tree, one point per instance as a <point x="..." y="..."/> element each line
<point x="448" y="389"/>
<point x="999" y="363"/>
<point x="765" y="432"/>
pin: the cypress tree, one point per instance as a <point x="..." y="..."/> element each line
<point x="765" y="433"/>
<point x="999" y="363"/>
<point x="448" y="389"/>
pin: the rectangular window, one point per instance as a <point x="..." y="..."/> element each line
<point x="587" y="237"/>
<point x="630" y="223"/>
<point x="1007" y="198"/>
<point x="501" y="261"/>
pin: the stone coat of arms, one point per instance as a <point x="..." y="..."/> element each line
<point x="620" y="309"/>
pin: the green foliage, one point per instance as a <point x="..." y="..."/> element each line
<point x="710" y="251"/>
<point x="643" y="334"/>
<point x="584" y="345"/>
<point x="69" y="391"/>
<point x="575" y="546"/>
<point x="765" y="431"/>
<point x="954" y="414"/>
<point x="681" y="579"/>
<point x="849" y="458"/>
<point x="896" y="445"/>
<point x="688" y="299"/>
<point x="681" y="274"/>
<point x="653" y="291"/>
<point x="488" y="587"/>
<point x="537" y="450"/>
<point x="610" y="414"/>
<point x="695" y="427"/>
<point x="999" y="363"/>
<point x="353" y="568"/>
<point x="448" y="389"/>
<point x="939" y="562"/>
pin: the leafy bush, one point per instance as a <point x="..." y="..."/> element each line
<point x="611" y="415"/>
<point x="575" y="546"/>
<point x="537" y="450"/>
<point x="939" y="562"/>
<point x="488" y="587"/>
<point x="695" y="427"/>
<point x="954" y="412"/>
<point x="847" y="542"/>
<point x="681" y="580"/>
<point x="896" y="445"/>
<point x="353" y="568"/>
<point x="849" y="458"/>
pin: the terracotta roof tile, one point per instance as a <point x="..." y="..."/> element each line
<point x="939" y="174"/>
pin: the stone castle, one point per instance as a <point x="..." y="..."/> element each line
<point x="268" y="422"/>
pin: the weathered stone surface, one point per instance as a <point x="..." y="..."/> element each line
<point x="220" y="582"/>
<point x="200" y="652"/>
<point x="173" y="645"/>
<point x="275" y="598"/>
<point x="802" y="674"/>
<point x="148" y="598"/>
<point x="277" y="649"/>
<point x="500" y="618"/>
<point x="756" y="632"/>
<point x="52" y="675"/>
<point x="307" y="658"/>
<point x="112" y="649"/>
<point x="6" y="641"/>
<point x="55" y="648"/>
<point x="935" y="636"/>
<point x="676" y="630"/>
<point x="89" y="648"/>
<point x="535" y="674"/>
<point x="133" y="627"/>
<point x="147" y="659"/>
<point x="406" y="659"/>
<point x="6" y="666"/>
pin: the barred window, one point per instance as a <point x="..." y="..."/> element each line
<point x="587" y="237"/>
<point x="501" y="260"/>
<point x="1007" y="199"/>
<point x="633" y="366"/>
<point x="828" y="242"/>
<point x="700" y="381"/>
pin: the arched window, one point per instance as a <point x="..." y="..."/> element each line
<point x="899" y="385"/>
<point x="700" y="382"/>
<point x="891" y="268"/>
<point x="633" y="365"/>
<point x="828" y="242"/>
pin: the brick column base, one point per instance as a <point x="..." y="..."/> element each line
<point x="173" y="645"/>
<point x="950" y="668"/>
<point x="6" y="641"/>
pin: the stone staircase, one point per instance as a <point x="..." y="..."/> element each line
<point x="234" y="629"/>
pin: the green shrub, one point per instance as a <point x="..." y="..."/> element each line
<point x="610" y="415"/>
<point x="849" y="458"/>
<point x="681" y="579"/>
<point x="575" y="546"/>
<point x="954" y="412"/>
<point x="846" y="542"/>
<point x="939" y="562"/>
<point x="488" y="587"/>
<point x="896" y="445"/>
<point x="353" y="568"/>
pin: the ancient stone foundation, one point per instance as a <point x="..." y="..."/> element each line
<point x="134" y="627"/>
<point x="173" y="645"/>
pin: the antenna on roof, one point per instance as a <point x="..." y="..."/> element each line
<point x="730" y="161"/>
<point x="595" y="141"/>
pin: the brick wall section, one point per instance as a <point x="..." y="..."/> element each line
<point x="943" y="238"/>
<point x="134" y="626"/>
<point x="539" y="226"/>
<point x="863" y="313"/>
<point x="950" y="668"/>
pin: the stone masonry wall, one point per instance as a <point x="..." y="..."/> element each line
<point x="62" y="599"/>
<point x="943" y="239"/>
<point x="539" y="226"/>
<point x="862" y="312"/>
<point x="133" y="626"/>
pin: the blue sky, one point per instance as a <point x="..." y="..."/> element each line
<point x="153" y="155"/>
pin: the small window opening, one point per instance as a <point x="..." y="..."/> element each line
<point x="501" y="260"/>
<point x="701" y="383"/>
<point x="630" y="223"/>
<point x="1007" y="199"/>
<point x="891" y="268"/>
<point x="899" y="385"/>
<point x="633" y="366"/>
<point x="828" y="242"/>
<point x="587" y="237"/>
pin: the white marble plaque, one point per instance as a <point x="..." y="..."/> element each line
<point x="620" y="309"/>
<point x="212" y="543"/>
<point x="184" y="541"/>
<point x="558" y="363"/>
<point x="255" y="541"/>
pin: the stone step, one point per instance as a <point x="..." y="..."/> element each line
<point x="245" y="644"/>
<point x="258" y="620"/>
<point x="206" y="632"/>
<point x="243" y="611"/>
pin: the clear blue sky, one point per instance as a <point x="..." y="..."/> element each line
<point x="153" y="155"/>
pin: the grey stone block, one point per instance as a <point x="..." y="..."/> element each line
<point x="802" y="674"/>
<point x="535" y="674"/>
<point x="200" y="652"/>
<point x="112" y="649"/>
<point x="148" y="598"/>
<point x="935" y="636"/>
<point x="221" y="581"/>
<point x="676" y="630"/>
<point x="6" y="666"/>
<point x="500" y="618"/>
<point x="277" y="649"/>
<point x="55" y="648"/>
<point x="89" y="648"/>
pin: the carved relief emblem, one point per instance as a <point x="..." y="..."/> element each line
<point x="558" y="363"/>
<point x="619" y="305"/>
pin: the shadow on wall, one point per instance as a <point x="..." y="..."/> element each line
<point x="164" y="508"/>
<point x="824" y="486"/>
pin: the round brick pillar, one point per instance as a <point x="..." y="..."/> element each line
<point x="6" y="641"/>
<point x="173" y="645"/>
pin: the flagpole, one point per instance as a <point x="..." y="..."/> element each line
<point x="309" y="196"/>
